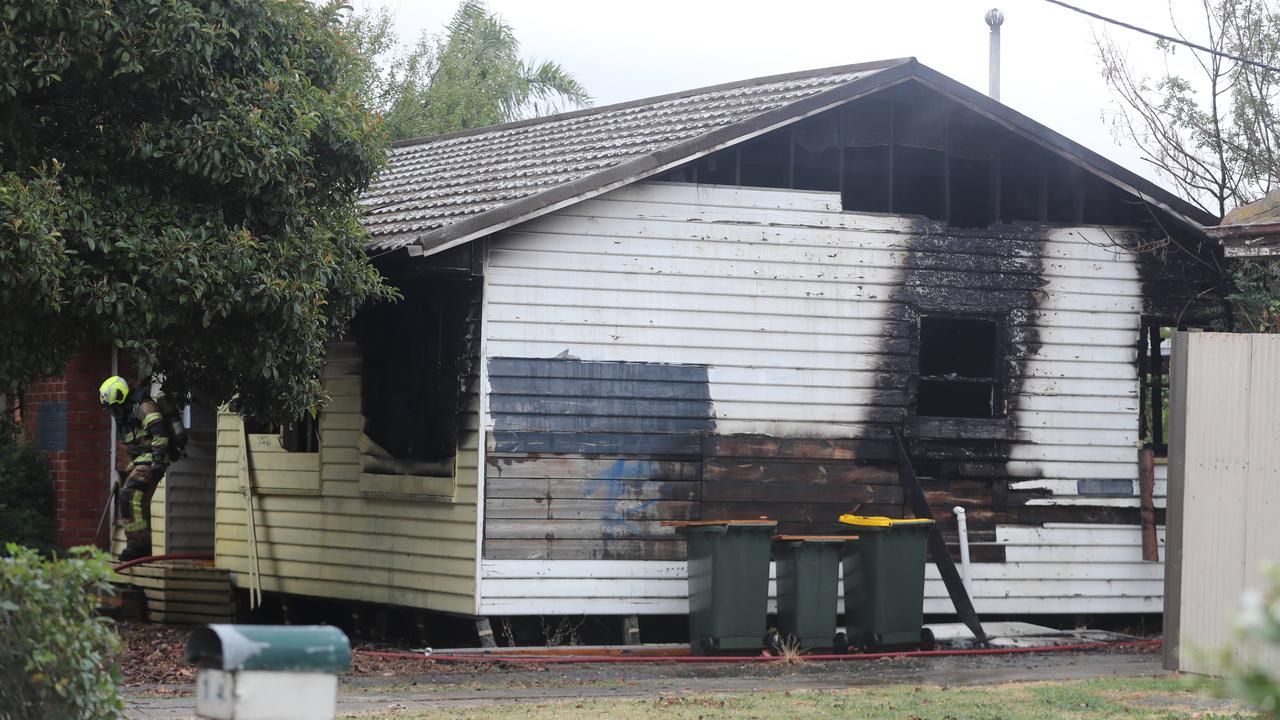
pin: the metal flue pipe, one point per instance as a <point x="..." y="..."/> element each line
<point x="994" y="19"/>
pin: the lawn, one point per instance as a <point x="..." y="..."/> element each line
<point x="1083" y="700"/>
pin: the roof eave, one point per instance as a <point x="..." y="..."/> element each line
<point x="1190" y="217"/>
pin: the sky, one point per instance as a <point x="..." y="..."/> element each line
<point x="628" y="50"/>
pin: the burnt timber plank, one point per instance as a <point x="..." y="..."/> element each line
<point x="630" y="489"/>
<point x="841" y="493"/>
<point x="590" y="467"/>
<point x="875" y="447"/>
<point x="648" y="444"/>
<point x="550" y="530"/>
<point x="580" y="509"/>
<point x="584" y="549"/>
<point x="797" y="472"/>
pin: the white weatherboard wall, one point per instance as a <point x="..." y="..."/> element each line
<point x="786" y="299"/>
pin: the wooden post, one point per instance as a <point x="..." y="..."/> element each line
<point x="246" y="485"/>
<point x="631" y="630"/>
<point x="1146" y="491"/>
<point x="485" y="631"/>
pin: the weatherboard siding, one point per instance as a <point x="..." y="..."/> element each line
<point x="318" y="535"/>
<point x="802" y="317"/>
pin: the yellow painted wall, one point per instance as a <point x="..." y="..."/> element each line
<point x="323" y="532"/>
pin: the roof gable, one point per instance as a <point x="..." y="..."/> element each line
<point x="439" y="192"/>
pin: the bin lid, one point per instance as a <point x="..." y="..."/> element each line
<point x="880" y="521"/>
<point x="296" y="648"/>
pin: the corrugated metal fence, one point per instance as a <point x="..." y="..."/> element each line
<point x="1224" y="486"/>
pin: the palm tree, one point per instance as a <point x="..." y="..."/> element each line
<point x="471" y="76"/>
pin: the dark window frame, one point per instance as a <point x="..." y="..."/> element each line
<point x="997" y="381"/>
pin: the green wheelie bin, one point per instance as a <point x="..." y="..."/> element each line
<point x="884" y="582"/>
<point x="728" y="583"/>
<point x="808" y="568"/>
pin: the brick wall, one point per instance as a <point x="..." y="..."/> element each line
<point x="62" y="416"/>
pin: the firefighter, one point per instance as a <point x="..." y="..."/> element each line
<point x="146" y="435"/>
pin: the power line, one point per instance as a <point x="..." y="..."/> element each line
<point x="1169" y="38"/>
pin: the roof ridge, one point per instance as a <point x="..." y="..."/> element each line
<point x="796" y="75"/>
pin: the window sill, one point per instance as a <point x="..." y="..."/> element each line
<point x="949" y="428"/>
<point x="375" y="482"/>
<point x="418" y="488"/>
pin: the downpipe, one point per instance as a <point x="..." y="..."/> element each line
<point x="962" y="528"/>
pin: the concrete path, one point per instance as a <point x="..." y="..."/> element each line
<point x="370" y="696"/>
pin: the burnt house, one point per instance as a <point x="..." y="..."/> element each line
<point x="720" y="303"/>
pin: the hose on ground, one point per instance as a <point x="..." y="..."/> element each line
<point x="585" y="659"/>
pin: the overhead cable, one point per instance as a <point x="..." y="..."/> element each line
<point x="1170" y="38"/>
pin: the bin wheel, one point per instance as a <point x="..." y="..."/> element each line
<point x="708" y="645"/>
<point x="840" y="644"/>
<point x="773" y="643"/>
<point x="927" y="641"/>
<point x="871" y="642"/>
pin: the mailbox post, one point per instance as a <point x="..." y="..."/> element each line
<point x="268" y="672"/>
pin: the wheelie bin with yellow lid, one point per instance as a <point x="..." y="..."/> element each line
<point x="884" y="582"/>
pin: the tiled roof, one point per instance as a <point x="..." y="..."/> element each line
<point x="433" y="183"/>
<point x="442" y="191"/>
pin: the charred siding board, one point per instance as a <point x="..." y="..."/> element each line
<point x="562" y="395"/>
<point x="805" y="317"/>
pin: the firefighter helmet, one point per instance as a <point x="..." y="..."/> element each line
<point x="113" y="391"/>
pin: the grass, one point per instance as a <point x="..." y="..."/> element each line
<point x="1130" y="698"/>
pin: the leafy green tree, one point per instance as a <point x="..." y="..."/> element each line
<point x="472" y="75"/>
<point x="178" y="179"/>
<point x="1213" y="133"/>
<point x="57" y="655"/>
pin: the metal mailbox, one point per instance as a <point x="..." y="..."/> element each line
<point x="268" y="672"/>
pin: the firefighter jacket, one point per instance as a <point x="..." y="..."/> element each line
<point x="145" y="433"/>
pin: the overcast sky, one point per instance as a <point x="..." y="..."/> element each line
<point x="629" y="50"/>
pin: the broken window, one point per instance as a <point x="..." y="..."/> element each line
<point x="959" y="365"/>
<point x="416" y="360"/>
<point x="301" y="436"/>
<point x="1153" y="372"/>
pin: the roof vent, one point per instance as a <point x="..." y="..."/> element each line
<point x="994" y="19"/>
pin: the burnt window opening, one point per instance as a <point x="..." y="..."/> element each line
<point x="959" y="365"/>
<point x="416" y="361"/>
<point x="1154" y="350"/>
<point x="300" y="436"/>
<point x="909" y="151"/>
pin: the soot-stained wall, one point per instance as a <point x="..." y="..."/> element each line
<point x="805" y="323"/>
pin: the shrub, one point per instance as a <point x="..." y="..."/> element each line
<point x="26" y="492"/>
<point x="1251" y="675"/>
<point x="56" y="654"/>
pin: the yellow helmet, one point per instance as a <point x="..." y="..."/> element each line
<point x="113" y="391"/>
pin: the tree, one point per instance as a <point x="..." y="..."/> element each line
<point x="1213" y="133"/>
<point x="470" y="76"/>
<point x="178" y="180"/>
